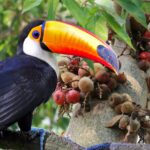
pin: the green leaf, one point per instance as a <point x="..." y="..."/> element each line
<point x="97" y="24"/>
<point x="137" y="2"/>
<point x="52" y="6"/>
<point x="89" y="62"/>
<point x="118" y="29"/>
<point x="29" y="4"/>
<point x="108" y="6"/>
<point x="78" y="12"/>
<point x="146" y="7"/>
<point x="101" y="28"/>
<point x="134" y="10"/>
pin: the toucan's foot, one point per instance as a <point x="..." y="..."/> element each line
<point x="29" y="136"/>
<point x="34" y="133"/>
<point x="41" y="132"/>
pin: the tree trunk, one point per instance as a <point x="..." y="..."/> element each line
<point x="90" y="129"/>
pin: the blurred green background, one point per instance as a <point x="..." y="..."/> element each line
<point x="98" y="16"/>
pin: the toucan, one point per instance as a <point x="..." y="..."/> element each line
<point x="29" y="78"/>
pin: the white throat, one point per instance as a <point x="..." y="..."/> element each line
<point x="34" y="49"/>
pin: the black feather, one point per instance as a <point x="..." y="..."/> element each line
<point x="25" y="83"/>
<point x="25" y="33"/>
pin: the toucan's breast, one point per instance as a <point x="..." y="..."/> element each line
<point x="26" y="82"/>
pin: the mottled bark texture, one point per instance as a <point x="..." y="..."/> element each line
<point x="16" y="141"/>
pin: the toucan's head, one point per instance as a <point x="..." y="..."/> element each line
<point x="41" y="38"/>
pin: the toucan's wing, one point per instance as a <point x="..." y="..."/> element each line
<point x="24" y="84"/>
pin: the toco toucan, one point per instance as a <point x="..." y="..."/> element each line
<point x="29" y="78"/>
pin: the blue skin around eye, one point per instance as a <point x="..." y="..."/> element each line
<point x="108" y="55"/>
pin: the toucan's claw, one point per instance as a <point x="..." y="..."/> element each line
<point x="34" y="133"/>
<point x="30" y="136"/>
<point x="40" y="132"/>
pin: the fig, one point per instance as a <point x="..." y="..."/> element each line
<point x="75" y="82"/>
<point x="59" y="97"/>
<point x="73" y="97"/>
<point x="102" y="76"/>
<point x="114" y="99"/>
<point x="67" y="76"/>
<point x="127" y="107"/>
<point x="121" y="78"/>
<point x="86" y="85"/>
<point x="143" y="65"/>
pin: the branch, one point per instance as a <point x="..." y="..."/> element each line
<point x="128" y="146"/>
<point x="16" y="141"/>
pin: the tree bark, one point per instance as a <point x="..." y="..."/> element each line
<point x="15" y="141"/>
<point x="90" y="129"/>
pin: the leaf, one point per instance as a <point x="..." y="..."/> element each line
<point x="52" y="6"/>
<point x="118" y="29"/>
<point x="29" y="4"/>
<point x="101" y="28"/>
<point x="89" y="62"/>
<point x="137" y="2"/>
<point x="146" y="7"/>
<point x="113" y="122"/>
<point x="97" y="24"/>
<point x="134" y="10"/>
<point x="78" y="12"/>
<point x="108" y="6"/>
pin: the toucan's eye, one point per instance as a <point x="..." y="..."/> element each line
<point x="36" y="34"/>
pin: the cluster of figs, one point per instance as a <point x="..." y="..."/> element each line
<point x="144" y="54"/>
<point x="130" y="117"/>
<point x="80" y="83"/>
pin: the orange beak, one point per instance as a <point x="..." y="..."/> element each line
<point x="65" y="38"/>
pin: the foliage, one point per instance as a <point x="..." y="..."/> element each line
<point x="95" y="15"/>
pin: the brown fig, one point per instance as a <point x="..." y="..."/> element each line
<point x="118" y="109"/>
<point x="104" y="91"/>
<point x="126" y="97"/>
<point x="67" y="77"/>
<point x="63" y="62"/>
<point x="84" y="71"/>
<point x="143" y="65"/>
<point x="115" y="99"/>
<point x="121" y="78"/>
<point x="127" y="107"/>
<point x="86" y="85"/>
<point x="102" y="76"/>
<point x="75" y="82"/>
<point x="112" y="84"/>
